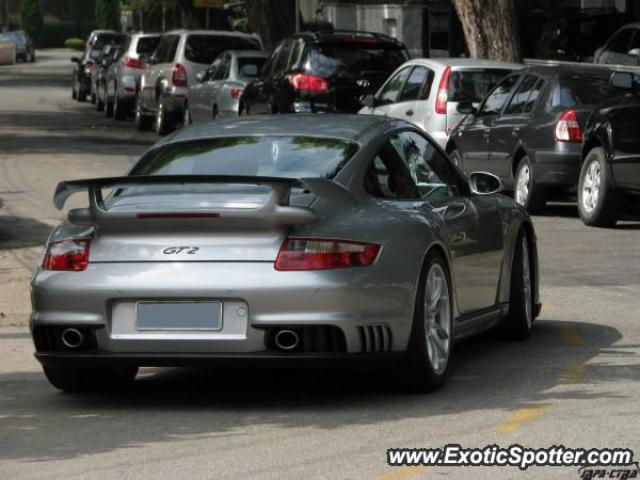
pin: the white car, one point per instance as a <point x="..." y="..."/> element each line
<point x="426" y="91"/>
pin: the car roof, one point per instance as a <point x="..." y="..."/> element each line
<point x="144" y="35"/>
<point x="342" y="34"/>
<point x="465" y="63"/>
<point x="247" y="53"/>
<point x="348" y="127"/>
<point x="231" y="33"/>
<point x="564" y="70"/>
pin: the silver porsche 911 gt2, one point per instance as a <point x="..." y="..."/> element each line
<point x="292" y="239"/>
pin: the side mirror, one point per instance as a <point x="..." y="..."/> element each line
<point x="368" y="100"/>
<point x="484" y="183"/>
<point x="200" y="76"/>
<point x="466" y="108"/>
<point x="75" y="59"/>
<point x="621" y="80"/>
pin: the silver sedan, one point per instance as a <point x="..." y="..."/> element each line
<point x="302" y="239"/>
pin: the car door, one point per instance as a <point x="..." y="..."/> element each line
<point x="625" y="132"/>
<point x="509" y="127"/>
<point x="412" y="174"/>
<point x="472" y="138"/>
<point x="386" y="100"/>
<point x="159" y="70"/>
<point x="199" y="101"/>
<point x="412" y="96"/>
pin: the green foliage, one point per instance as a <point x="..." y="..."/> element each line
<point x="74" y="43"/>
<point x="31" y="18"/>
<point x="108" y="14"/>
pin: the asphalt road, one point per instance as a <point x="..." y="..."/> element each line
<point x="575" y="383"/>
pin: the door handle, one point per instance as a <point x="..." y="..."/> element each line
<point x="409" y="113"/>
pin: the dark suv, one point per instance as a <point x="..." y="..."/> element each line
<point x="323" y="72"/>
<point x="528" y="130"/>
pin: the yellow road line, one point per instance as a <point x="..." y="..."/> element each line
<point x="572" y="336"/>
<point x="521" y="417"/>
<point x="403" y="473"/>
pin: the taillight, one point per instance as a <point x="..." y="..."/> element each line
<point x="568" y="128"/>
<point x="321" y="254"/>
<point x="88" y="67"/>
<point x="179" y="76"/>
<point x="132" y="62"/>
<point x="310" y="83"/>
<point x="235" y="92"/>
<point x="69" y="255"/>
<point x="443" y="92"/>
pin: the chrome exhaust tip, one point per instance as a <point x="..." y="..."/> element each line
<point x="286" y="339"/>
<point x="72" y="338"/>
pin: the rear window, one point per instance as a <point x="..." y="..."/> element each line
<point x="374" y="61"/>
<point x="205" y="48"/>
<point x="473" y="85"/>
<point x="109" y="38"/>
<point x="147" y="44"/>
<point x="583" y="90"/>
<point x="271" y="156"/>
<point x="250" y="67"/>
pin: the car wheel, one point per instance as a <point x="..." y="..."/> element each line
<point x="82" y="95"/>
<point x="99" y="100"/>
<point x="598" y="201"/>
<point x="108" y="107"/>
<point x="215" y="113"/>
<point x="456" y="158"/>
<point x="163" y="119"/>
<point x="94" y="97"/>
<point x="527" y="193"/>
<point x="74" y="92"/>
<point x="142" y="121"/>
<point x="119" y="108"/>
<point x="430" y="345"/>
<point x="87" y="379"/>
<point x="520" y="319"/>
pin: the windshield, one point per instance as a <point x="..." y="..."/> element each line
<point x="354" y="59"/>
<point x="473" y="85"/>
<point x="270" y="156"/>
<point x="205" y="48"/>
<point x="582" y="90"/>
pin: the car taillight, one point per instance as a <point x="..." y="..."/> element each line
<point x="68" y="255"/>
<point x="443" y="92"/>
<point x="235" y="92"/>
<point x="132" y="62"/>
<point x="179" y="76"/>
<point x="310" y="83"/>
<point x="88" y="67"/>
<point x="568" y="128"/>
<point x="321" y="254"/>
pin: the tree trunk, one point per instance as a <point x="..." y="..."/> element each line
<point x="271" y="19"/>
<point x="490" y="28"/>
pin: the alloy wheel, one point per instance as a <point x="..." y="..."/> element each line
<point x="591" y="187"/>
<point x="526" y="280"/>
<point x="523" y="184"/>
<point x="437" y="318"/>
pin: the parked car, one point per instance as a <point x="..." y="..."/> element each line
<point x="623" y="48"/>
<point x="84" y="65"/>
<point x="25" y="50"/>
<point x="123" y="76"/>
<point x="103" y="64"/>
<point x="610" y="173"/>
<point x="218" y="89"/>
<point x="528" y="130"/>
<point x="181" y="55"/>
<point x="282" y="239"/>
<point x="323" y="72"/>
<point x="106" y="52"/>
<point x="426" y="92"/>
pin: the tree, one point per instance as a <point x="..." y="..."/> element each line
<point x="490" y="28"/>
<point x="108" y="14"/>
<point x="31" y="18"/>
<point x="271" y="19"/>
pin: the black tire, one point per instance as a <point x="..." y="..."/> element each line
<point x="520" y="319"/>
<point x="99" y="102"/>
<point x="90" y="379"/>
<point x="108" y="104"/>
<point x="164" y="123"/>
<point x="82" y="95"/>
<point x="419" y="375"/>
<point x="215" y="113"/>
<point x="141" y="120"/>
<point x="456" y="158"/>
<point x="119" y="107"/>
<point x="602" y="210"/>
<point x="74" y="92"/>
<point x="534" y="199"/>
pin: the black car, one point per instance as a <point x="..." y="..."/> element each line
<point x="610" y="173"/>
<point x="528" y="130"/>
<point x="623" y="48"/>
<point x="109" y="55"/>
<point x="25" y="51"/>
<point x="84" y="66"/>
<point x="323" y="72"/>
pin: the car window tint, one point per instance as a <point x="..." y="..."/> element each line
<point x="498" y="97"/>
<point x="621" y="42"/>
<point x="388" y="176"/>
<point x="147" y="44"/>
<point x="391" y="89"/>
<point x="431" y="172"/>
<point x="282" y="58"/>
<point x="205" y="48"/>
<point x="535" y="93"/>
<point x="473" y="85"/>
<point x="414" y="83"/>
<point x="581" y="90"/>
<point x="249" y="67"/>
<point x="635" y="41"/>
<point x="521" y="97"/>
<point x="296" y="53"/>
<point x="222" y="70"/>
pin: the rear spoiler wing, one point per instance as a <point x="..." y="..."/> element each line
<point x="276" y="210"/>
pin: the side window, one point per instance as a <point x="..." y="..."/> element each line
<point x="222" y="71"/>
<point x="413" y="85"/>
<point x="521" y="97"/>
<point x="498" y="96"/>
<point x="635" y="42"/>
<point x="211" y="71"/>
<point x="535" y="93"/>
<point x="621" y="42"/>
<point x="163" y="49"/>
<point x="282" y="59"/>
<point x="173" y="49"/>
<point x="296" y="53"/>
<point x="391" y="90"/>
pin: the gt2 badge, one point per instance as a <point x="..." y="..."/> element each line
<point x="177" y="250"/>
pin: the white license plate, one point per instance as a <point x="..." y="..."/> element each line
<point x="179" y="316"/>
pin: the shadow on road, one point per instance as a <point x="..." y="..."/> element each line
<point x="167" y="404"/>
<point x="18" y="232"/>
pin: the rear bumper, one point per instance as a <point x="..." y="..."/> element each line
<point x="559" y="167"/>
